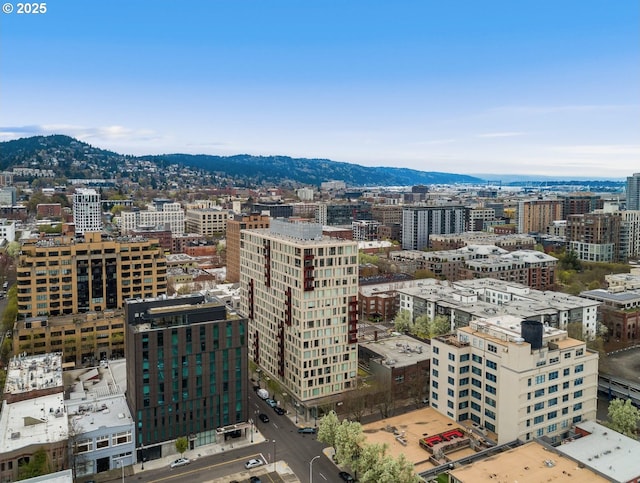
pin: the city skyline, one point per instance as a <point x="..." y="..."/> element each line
<point x="541" y="89"/>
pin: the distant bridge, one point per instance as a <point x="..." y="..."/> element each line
<point x="618" y="387"/>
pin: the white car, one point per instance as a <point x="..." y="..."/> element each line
<point x="253" y="463"/>
<point x="180" y="462"/>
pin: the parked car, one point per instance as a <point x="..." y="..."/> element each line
<point x="279" y="410"/>
<point x="255" y="479"/>
<point x="264" y="418"/>
<point x="180" y="462"/>
<point x="307" y="430"/>
<point x="253" y="463"/>
<point x="271" y="402"/>
<point x="345" y="476"/>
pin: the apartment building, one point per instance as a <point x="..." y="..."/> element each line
<point x="62" y="275"/>
<point x="342" y="213"/>
<point x="169" y="213"/>
<point x="595" y="237"/>
<point x="509" y="242"/>
<point x="579" y="203"/>
<point x="534" y="216"/>
<point x="234" y="226"/>
<point x="467" y="300"/>
<point x="81" y="338"/>
<point x="209" y="222"/>
<point x="387" y="214"/>
<point x="620" y="312"/>
<point x="186" y="371"/>
<point x="365" y="230"/>
<point x="87" y="211"/>
<point x="420" y="222"/>
<point x="516" y="378"/>
<point x="300" y="293"/>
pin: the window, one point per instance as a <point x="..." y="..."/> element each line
<point x="538" y="406"/>
<point x="434" y="372"/>
<point x="451" y="369"/>
<point x="475" y="406"/>
<point x="490" y="414"/>
<point x="464" y="357"/>
<point x="553" y="388"/>
<point x="553" y="401"/>
<point x="577" y="394"/>
<point x="102" y="442"/>
<point x="450" y="392"/>
<point x="490" y="389"/>
<point x="578" y="381"/>
<point x="577" y="406"/>
<point x="121" y="438"/>
<point x="435" y="362"/>
<point x="476" y="383"/>
<point x="84" y="446"/>
<point x="436" y="350"/>
<point x="552" y="428"/>
<point x="565" y="398"/>
<point x="451" y="380"/>
<point x="579" y="352"/>
<point x="552" y="415"/>
<point x="492" y="365"/>
<point x="477" y="371"/>
<point x="567" y="355"/>
<point x="538" y="419"/>
<point x="464" y="381"/>
<point x="434" y="384"/>
<point x="539" y="393"/>
<point x="579" y="368"/>
<point x="490" y="402"/>
<point x="476" y="395"/>
<point x="492" y="348"/>
<point x="463" y="393"/>
<point x="565" y="385"/>
<point x="476" y="358"/>
<point x="464" y="369"/>
<point x="566" y="372"/>
<point x="553" y="375"/>
<point x="452" y="357"/>
<point x="491" y="377"/>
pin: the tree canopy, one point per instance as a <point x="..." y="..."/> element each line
<point x="624" y="417"/>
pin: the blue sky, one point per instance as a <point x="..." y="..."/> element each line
<point x="508" y="87"/>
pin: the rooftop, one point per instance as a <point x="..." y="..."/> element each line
<point x="399" y="351"/>
<point x="34" y="373"/>
<point x="530" y="463"/>
<point x="34" y="421"/>
<point x="606" y="451"/>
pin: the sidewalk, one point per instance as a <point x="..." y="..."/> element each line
<point x="200" y="452"/>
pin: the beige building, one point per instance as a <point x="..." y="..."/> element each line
<point x="81" y="338"/>
<point x="535" y="216"/>
<point x="170" y="214"/>
<point x="207" y="222"/>
<point x="519" y="379"/>
<point x="234" y="225"/>
<point x="299" y="291"/>
<point x="60" y="276"/>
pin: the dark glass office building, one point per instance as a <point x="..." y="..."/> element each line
<point x="186" y="371"/>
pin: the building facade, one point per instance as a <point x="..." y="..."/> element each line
<point x="186" y="370"/>
<point x="208" y="222"/>
<point x="87" y="211"/>
<point x="534" y="216"/>
<point x="595" y="237"/>
<point x="299" y="291"/>
<point x="59" y="275"/>
<point x="170" y="214"/>
<point x="518" y="379"/>
<point x="420" y="222"/>
<point x="234" y="226"/>
<point x="633" y="192"/>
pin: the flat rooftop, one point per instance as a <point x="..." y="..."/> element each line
<point x="34" y="421"/>
<point x="606" y="451"/>
<point x="530" y="463"/>
<point x="34" y="373"/>
<point x="109" y="412"/>
<point x="401" y="349"/>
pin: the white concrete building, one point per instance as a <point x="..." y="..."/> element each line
<point x="171" y="214"/>
<point x="517" y="379"/>
<point x="7" y="230"/>
<point x="87" y="210"/>
<point x="299" y="291"/>
<point x="207" y="222"/>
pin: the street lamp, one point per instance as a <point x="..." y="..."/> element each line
<point x="142" y="456"/>
<point x="122" y="466"/>
<point x="274" y="455"/>
<point x="311" y="468"/>
<point x="251" y="421"/>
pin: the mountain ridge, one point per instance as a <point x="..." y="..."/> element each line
<point x="71" y="158"/>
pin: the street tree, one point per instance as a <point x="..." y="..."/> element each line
<point x="349" y="440"/>
<point x="181" y="445"/>
<point x="328" y="428"/>
<point x="421" y="327"/>
<point x="402" y="322"/>
<point x="624" y="417"/>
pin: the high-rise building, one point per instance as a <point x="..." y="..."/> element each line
<point x="87" y="211"/>
<point x="186" y="371"/>
<point x="207" y="222"/>
<point x="516" y="378"/>
<point x="234" y="226"/>
<point x="633" y="192"/>
<point x="595" y="237"/>
<point x="420" y="222"/>
<point x="579" y="203"/>
<point x="299" y="291"/>
<point x="535" y="216"/>
<point x="60" y="275"/>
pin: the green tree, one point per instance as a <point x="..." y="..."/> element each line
<point x="327" y="428"/>
<point x="574" y="330"/>
<point x="349" y="439"/>
<point x="13" y="249"/>
<point x="37" y="465"/>
<point x="402" y="322"/>
<point x="423" y="273"/>
<point x="421" y="326"/>
<point x="440" y="325"/>
<point x="624" y="417"/>
<point x="367" y="466"/>
<point x="181" y="445"/>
